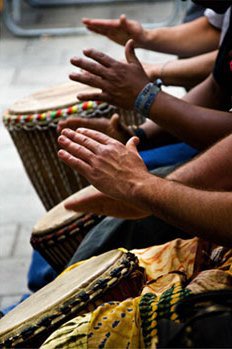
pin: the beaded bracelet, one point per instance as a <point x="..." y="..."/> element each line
<point x="146" y="97"/>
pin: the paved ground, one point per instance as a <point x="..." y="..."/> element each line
<point x="27" y="65"/>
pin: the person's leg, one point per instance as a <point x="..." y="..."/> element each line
<point x="113" y="233"/>
<point x="40" y="272"/>
<point x="168" y="155"/>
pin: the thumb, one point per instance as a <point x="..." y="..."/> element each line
<point x="115" y="122"/>
<point x="123" y="22"/>
<point x="119" y="126"/>
<point x="132" y="144"/>
<point x="130" y="52"/>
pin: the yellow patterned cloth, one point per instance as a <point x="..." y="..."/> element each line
<point x="174" y="270"/>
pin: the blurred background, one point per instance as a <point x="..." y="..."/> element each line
<point x="37" y="40"/>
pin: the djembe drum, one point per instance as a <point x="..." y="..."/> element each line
<point x="112" y="276"/>
<point x="59" y="232"/>
<point x="32" y="123"/>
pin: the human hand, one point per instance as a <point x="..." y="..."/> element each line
<point x="153" y="71"/>
<point x="111" y="127"/>
<point x="120" y="82"/>
<point x="118" y="30"/>
<point x="93" y="201"/>
<point x="113" y="168"/>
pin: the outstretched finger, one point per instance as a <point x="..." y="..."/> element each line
<point x="101" y="23"/>
<point x="88" y="79"/>
<point x="74" y="141"/>
<point x="97" y="30"/>
<point x="75" y="163"/>
<point x="99" y="57"/>
<point x="86" y="201"/>
<point x="68" y="123"/>
<point x="89" y="66"/>
<point x="95" y="96"/>
<point x="75" y="147"/>
<point x="96" y="135"/>
<point x="75" y="122"/>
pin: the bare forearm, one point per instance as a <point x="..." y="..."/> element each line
<point x="106" y="163"/>
<point x="123" y="81"/>
<point x="185" y="40"/>
<point x="204" y="213"/>
<point x="209" y="94"/>
<point x="211" y="170"/>
<point x="189" y="122"/>
<point x="188" y="72"/>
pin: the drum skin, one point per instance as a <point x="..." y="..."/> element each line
<point x="59" y="232"/>
<point x="32" y="124"/>
<point x="112" y="276"/>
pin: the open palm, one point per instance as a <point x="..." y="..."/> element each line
<point x="119" y="30"/>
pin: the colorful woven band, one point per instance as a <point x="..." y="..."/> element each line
<point x="146" y="97"/>
<point x="53" y="115"/>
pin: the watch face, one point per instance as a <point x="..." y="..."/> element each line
<point x="219" y="6"/>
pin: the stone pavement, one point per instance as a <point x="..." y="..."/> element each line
<point x="27" y="65"/>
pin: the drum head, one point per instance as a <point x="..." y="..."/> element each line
<point x="62" y="295"/>
<point x="59" y="216"/>
<point x="52" y="98"/>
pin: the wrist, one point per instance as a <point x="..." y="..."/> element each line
<point x="140" y="39"/>
<point x="153" y="71"/>
<point x="146" y="97"/>
<point x="163" y="72"/>
<point x="156" y="71"/>
<point x="146" y="193"/>
<point x="143" y="40"/>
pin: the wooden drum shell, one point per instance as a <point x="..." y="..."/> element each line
<point x="33" y="128"/>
